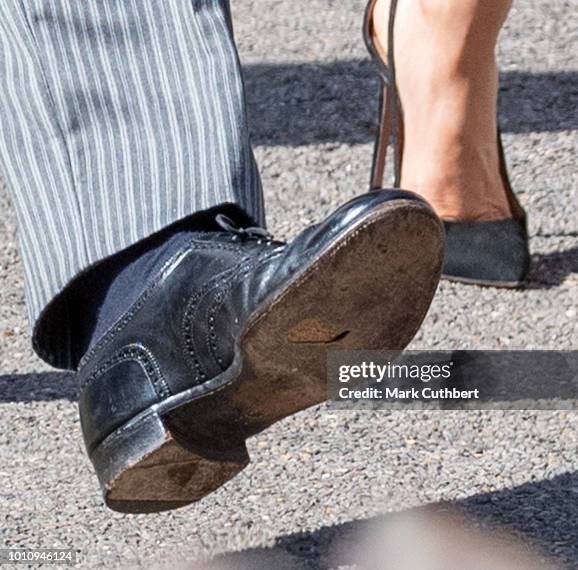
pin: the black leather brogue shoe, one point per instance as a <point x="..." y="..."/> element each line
<point x="233" y="335"/>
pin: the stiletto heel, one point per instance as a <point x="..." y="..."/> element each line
<point x="389" y="120"/>
<point x="381" y="140"/>
<point x="483" y="253"/>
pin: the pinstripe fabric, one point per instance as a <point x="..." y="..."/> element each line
<point x="117" y="118"/>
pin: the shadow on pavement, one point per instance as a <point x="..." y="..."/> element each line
<point x="38" y="387"/>
<point x="552" y="269"/>
<point x="543" y="514"/>
<point x="300" y="104"/>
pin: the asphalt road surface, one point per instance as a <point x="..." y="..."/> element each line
<point x="317" y="477"/>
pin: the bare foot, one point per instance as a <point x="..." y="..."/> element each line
<point x="448" y="82"/>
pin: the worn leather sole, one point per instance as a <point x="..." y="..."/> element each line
<point x="371" y="289"/>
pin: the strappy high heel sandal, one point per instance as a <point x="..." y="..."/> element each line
<point x="483" y="253"/>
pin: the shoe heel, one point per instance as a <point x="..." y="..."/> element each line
<point x="142" y="468"/>
<point x="390" y="126"/>
<point x="382" y="139"/>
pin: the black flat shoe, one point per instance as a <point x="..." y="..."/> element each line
<point x="482" y="253"/>
<point x="233" y="336"/>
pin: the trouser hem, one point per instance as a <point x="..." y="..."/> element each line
<point x="55" y="337"/>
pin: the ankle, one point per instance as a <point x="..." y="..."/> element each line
<point x="447" y="80"/>
<point x="107" y="291"/>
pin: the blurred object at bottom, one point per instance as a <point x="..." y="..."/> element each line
<point x="437" y="539"/>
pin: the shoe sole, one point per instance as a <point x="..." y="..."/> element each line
<point x="179" y="451"/>
<point x="485" y="282"/>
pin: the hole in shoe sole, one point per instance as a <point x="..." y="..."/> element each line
<point x="315" y="332"/>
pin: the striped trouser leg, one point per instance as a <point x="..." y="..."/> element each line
<point x="117" y="118"/>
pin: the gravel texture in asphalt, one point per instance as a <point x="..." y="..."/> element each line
<point x="319" y="476"/>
